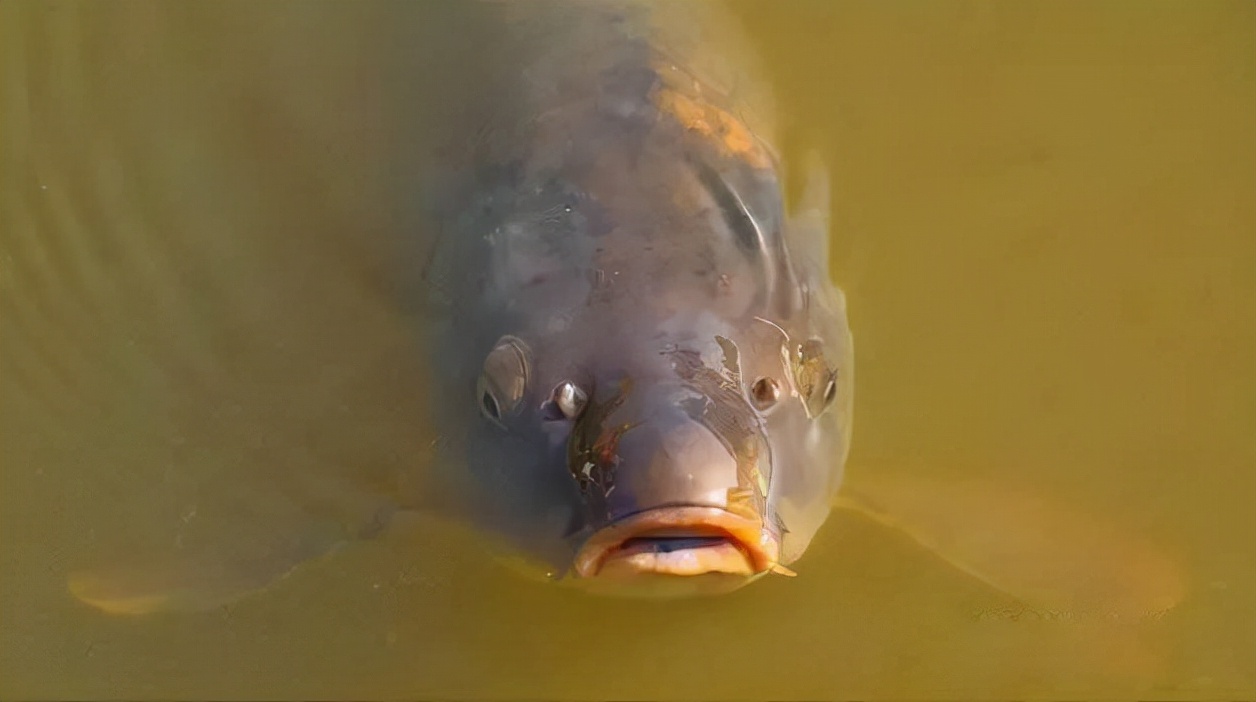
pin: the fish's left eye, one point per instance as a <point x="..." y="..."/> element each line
<point x="830" y="391"/>
<point x="814" y="377"/>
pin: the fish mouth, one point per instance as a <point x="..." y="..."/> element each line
<point x="679" y="541"/>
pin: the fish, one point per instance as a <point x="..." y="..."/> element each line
<point x="641" y="369"/>
<point x="662" y="371"/>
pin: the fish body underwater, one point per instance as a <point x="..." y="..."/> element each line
<point x="646" y="370"/>
<point x="636" y="369"/>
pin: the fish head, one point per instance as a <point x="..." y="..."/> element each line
<point x="673" y="457"/>
<point x="646" y="391"/>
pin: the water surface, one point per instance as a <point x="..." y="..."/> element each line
<point x="1042" y="218"/>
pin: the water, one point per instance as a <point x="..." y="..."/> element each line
<point x="1043" y="222"/>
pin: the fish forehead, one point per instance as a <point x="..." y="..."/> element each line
<point x="634" y="177"/>
<point x="619" y="247"/>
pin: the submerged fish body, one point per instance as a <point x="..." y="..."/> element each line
<point x="557" y="226"/>
<point x="638" y="371"/>
<point x="646" y="371"/>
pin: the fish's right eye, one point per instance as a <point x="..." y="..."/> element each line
<point x="488" y="405"/>
<point x="504" y="379"/>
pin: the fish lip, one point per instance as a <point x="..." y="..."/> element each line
<point x="758" y="546"/>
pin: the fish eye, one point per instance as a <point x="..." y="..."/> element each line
<point x="830" y="391"/>
<point x="490" y="407"/>
<point x="814" y="378"/>
<point x="503" y="380"/>
<point x="570" y="399"/>
<point x="764" y="393"/>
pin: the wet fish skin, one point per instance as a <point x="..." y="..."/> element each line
<point x="614" y="223"/>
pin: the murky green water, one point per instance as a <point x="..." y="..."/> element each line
<point x="1043" y="220"/>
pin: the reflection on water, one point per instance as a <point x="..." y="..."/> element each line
<point x="1042" y="219"/>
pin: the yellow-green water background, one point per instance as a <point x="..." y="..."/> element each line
<point x="1044" y="218"/>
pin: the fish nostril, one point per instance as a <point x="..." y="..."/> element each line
<point x="570" y="399"/>
<point x="764" y="393"/>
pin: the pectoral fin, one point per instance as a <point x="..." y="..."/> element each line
<point x="201" y="580"/>
<point x="809" y="222"/>
<point x="1038" y="550"/>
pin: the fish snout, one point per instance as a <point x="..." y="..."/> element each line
<point x="677" y="484"/>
